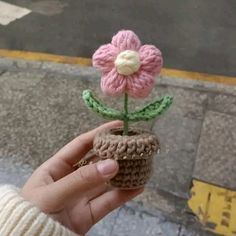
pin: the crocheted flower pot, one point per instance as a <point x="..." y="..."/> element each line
<point x="129" y="69"/>
<point x="134" y="154"/>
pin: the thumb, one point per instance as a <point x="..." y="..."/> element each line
<point x="84" y="179"/>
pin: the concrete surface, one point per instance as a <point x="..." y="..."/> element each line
<point x="179" y="132"/>
<point x="132" y="220"/>
<point x="14" y="173"/>
<point x="215" y="162"/>
<point x="193" y="35"/>
<point x="41" y="110"/>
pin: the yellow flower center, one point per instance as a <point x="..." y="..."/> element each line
<point x="127" y="62"/>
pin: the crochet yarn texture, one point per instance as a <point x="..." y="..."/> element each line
<point x="127" y="66"/>
<point x="134" y="154"/>
<point x="147" y="113"/>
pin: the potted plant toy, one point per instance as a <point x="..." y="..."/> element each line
<point x="128" y="69"/>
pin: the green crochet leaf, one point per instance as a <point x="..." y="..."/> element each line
<point x="152" y="110"/>
<point x="97" y="106"/>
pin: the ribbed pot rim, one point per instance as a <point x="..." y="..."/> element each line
<point x="140" y="144"/>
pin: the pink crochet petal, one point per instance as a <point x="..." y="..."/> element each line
<point x="151" y="59"/>
<point x="140" y="84"/>
<point x="113" y="84"/>
<point x="104" y="57"/>
<point x="126" y="40"/>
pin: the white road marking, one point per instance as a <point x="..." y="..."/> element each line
<point x="10" y="12"/>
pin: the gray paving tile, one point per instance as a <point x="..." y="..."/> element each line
<point x="187" y="102"/>
<point x="105" y="226"/>
<point x="134" y="223"/>
<point x="178" y="131"/>
<point x="173" y="167"/>
<point x="223" y="103"/>
<point x="14" y="85"/>
<point x="45" y="120"/>
<point x="170" y="205"/>
<point x="215" y="162"/>
<point x="6" y="63"/>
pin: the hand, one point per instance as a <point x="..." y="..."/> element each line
<point x="76" y="198"/>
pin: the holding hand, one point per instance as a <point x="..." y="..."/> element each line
<point x="76" y="198"/>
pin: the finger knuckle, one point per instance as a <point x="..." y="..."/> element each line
<point x="88" y="174"/>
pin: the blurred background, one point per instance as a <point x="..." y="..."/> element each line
<point x="45" y="64"/>
<point x="193" y="35"/>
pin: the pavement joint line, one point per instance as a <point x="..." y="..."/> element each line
<point x="199" y="138"/>
<point x="179" y="230"/>
<point x="2" y="72"/>
<point x="188" y="75"/>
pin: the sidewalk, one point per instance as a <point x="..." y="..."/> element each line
<point x="41" y="110"/>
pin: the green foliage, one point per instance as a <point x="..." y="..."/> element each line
<point x="148" y="112"/>
<point x="102" y="110"/>
<point x="151" y="110"/>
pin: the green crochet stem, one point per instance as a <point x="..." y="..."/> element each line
<point x="147" y="113"/>
<point x="126" y="114"/>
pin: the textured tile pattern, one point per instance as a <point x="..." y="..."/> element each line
<point x="178" y="131"/>
<point x="138" y="223"/>
<point x="216" y="160"/>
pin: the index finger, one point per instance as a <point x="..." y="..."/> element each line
<point x="70" y="154"/>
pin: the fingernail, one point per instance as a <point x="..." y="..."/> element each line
<point x="107" y="167"/>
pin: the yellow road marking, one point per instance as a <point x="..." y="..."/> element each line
<point x="215" y="207"/>
<point x="228" y="80"/>
<point x="37" y="56"/>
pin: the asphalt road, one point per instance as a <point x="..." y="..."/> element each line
<point x="193" y="35"/>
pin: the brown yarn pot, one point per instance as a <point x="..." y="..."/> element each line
<point x="133" y="152"/>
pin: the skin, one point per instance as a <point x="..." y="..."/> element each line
<point x="76" y="198"/>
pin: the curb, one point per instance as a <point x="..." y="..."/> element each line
<point x="75" y="66"/>
<point x="38" y="56"/>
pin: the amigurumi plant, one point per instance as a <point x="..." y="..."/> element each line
<point x="129" y="69"/>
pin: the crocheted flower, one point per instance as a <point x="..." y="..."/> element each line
<point x="127" y="67"/>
